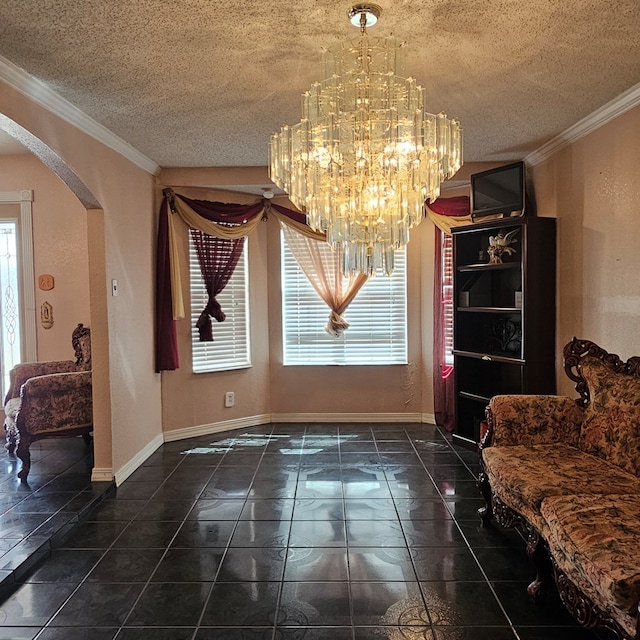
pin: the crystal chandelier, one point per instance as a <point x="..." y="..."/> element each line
<point x="365" y="155"/>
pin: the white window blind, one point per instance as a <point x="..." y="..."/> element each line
<point x="447" y="296"/>
<point x="230" y="346"/>
<point x="377" y="317"/>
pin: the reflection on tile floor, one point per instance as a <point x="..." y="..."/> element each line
<point x="337" y="532"/>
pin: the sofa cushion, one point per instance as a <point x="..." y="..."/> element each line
<point x="535" y="419"/>
<point x="521" y="476"/>
<point x="597" y="539"/>
<point x="611" y="428"/>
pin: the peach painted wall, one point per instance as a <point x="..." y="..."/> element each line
<point x="129" y="388"/>
<point x="59" y="249"/>
<point x="592" y="187"/>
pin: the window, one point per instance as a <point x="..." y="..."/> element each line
<point x="230" y="346"/>
<point x="377" y="316"/>
<point x="447" y="297"/>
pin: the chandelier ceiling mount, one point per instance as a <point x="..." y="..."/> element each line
<point x="367" y="13"/>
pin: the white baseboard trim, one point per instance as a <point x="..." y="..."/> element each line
<point x="346" y="417"/>
<point x="216" y="427"/>
<point x="104" y="474"/>
<point x="124" y="472"/>
<point x="253" y="421"/>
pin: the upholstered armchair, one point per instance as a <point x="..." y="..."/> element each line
<point x="49" y="399"/>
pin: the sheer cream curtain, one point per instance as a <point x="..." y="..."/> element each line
<point x="321" y="266"/>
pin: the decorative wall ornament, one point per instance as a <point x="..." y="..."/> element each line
<point x="46" y="315"/>
<point x="46" y="282"/>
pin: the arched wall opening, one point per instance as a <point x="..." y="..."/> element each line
<point x="65" y="252"/>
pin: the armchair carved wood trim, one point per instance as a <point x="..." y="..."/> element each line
<point x="49" y="399"/>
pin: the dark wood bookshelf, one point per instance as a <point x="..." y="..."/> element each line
<point x="504" y="317"/>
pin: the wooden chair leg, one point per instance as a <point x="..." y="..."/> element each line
<point x="11" y="444"/>
<point x="24" y="455"/>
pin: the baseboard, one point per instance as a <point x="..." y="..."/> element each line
<point x="216" y="427"/>
<point x="253" y="421"/>
<point x="346" y="417"/>
<point x="104" y="474"/>
<point x="124" y="472"/>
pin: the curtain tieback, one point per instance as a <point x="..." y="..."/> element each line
<point x="337" y="325"/>
<point x="204" y="326"/>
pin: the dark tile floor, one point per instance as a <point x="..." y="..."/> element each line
<point x="344" y="532"/>
<point x="36" y="513"/>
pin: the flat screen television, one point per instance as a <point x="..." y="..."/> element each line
<point x="498" y="191"/>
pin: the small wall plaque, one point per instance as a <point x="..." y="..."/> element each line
<point x="46" y="315"/>
<point x="46" y="282"/>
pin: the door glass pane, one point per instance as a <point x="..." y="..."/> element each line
<point x="9" y="300"/>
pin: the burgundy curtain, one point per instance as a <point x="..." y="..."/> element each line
<point x="217" y="258"/>
<point x="458" y="206"/>
<point x="167" y="357"/>
<point x="166" y="339"/>
<point x="443" y="377"/>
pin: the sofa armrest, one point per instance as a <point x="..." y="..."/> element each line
<point x="532" y="419"/>
<point x="56" y="402"/>
<point x="22" y="372"/>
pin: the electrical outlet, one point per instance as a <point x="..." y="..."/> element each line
<point x="229" y="399"/>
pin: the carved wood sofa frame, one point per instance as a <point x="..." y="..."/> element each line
<point x="579" y="605"/>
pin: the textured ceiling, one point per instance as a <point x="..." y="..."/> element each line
<point x="205" y="82"/>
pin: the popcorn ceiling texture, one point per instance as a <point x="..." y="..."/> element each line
<point x="205" y="83"/>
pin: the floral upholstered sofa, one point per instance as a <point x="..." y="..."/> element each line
<point x="569" y="472"/>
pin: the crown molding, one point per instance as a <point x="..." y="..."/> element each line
<point x="46" y="97"/>
<point x="608" y="112"/>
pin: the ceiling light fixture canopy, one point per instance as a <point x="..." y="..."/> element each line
<point x="365" y="155"/>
